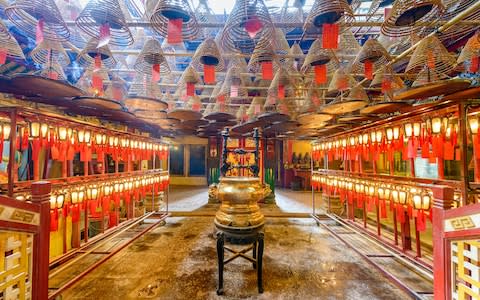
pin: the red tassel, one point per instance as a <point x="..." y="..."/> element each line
<point x="155" y="73"/>
<point x="368" y="69"/>
<point x="330" y="36"/>
<point x="54" y="220"/>
<point x="320" y="74"/>
<point x="267" y="70"/>
<point x="474" y="64"/>
<point x="3" y="56"/>
<point x="104" y="37"/>
<point x="342" y="83"/>
<point x="209" y="74"/>
<point x="253" y="26"/>
<point x="75" y="213"/>
<point x="190" y="88"/>
<point x="281" y="91"/>
<point x="39" y="31"/>
<point x="174" y="31"/>
<point x="383" y="209"/>
<point x="98" y="62"/>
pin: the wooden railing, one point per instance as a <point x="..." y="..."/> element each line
<point x="24" y="243"/>
<point x="456" y="238"/>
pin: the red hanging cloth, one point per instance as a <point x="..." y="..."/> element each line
<point x="155" y="73"/>
<point x="3" y="56"/>
<point x="474" y="64"/>
<point x="174" y="31"/>
<point x="209" y="74"/>
<point x="281" y="91"/>
<point x="190" y="89"/>
<point x="104" y="36"/>
<point x="267" y="70"/>
<point x="320" y="74"/>
<point x="330" y="36"/>
<point x="39" y="31"/>
<point x="368" y="69"/>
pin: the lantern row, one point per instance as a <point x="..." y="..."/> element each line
<point x="103" y="196"/>
<point x="437" y="138"/>
<point x="402" y="200"/>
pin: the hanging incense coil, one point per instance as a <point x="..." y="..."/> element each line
<point x="10" y="45"/>
<point x="167" y="10"/>
<point x="52" y="70"/>
<point x="356" y="99"/>
<point x="144" y="86"/>
<point x="4" y="34"/>
<point x="26" y="14"/>
<point x="341" y="81"/>
<point x="405" y="14"/>
<point x="372" y="52"/>
<point x="281" y="80"/>
<point x="263" y="52"/>
<point x="318" y="56"/>
<point x="98" y="13"/>
<point x="329" y="12"/>
<point x="457" y="31"/>
<point x="431" y="52"/>
<point x="248" y="22"/>
<point x="348" y="47"/>
<point x="87" y="56"/>
<point x="208" y="53"/>
<point x="150" y="56"/>
<point x="47" y="50"/>
<point x="234" y="84"/>
<point x="387" y="74"/>
<point x="296" y="57"/>
<point x="471" y="49"/>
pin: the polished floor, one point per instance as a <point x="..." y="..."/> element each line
<point x="178" y="260"/>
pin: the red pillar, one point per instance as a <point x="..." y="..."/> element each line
<point x="41" y="242"/>
<point x="442" y="200"/>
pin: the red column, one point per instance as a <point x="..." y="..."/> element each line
<point x="41" y="242"/>
<point x="442" y="200"/>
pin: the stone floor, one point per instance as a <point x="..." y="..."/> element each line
<point x="178" y="261"/>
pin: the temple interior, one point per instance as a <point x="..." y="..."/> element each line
<point x="239" y="149"/>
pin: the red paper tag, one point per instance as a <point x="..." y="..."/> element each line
<point x="233" y="91"/>
<point x="155" y="73"/>
<point x="342" y="83"/>
<point x="190" y="88"/>
<point x="174" y="31"/>
<point x="474" y="64"/>
<point x="281" y="91"/>
<point x="3" y="55"/>
<point x="386" y="12"/>
<point x="253" y="26"/>
<point x="104" y="36"/>
<point x="209" y="74"/>
<point x="368" y="69"/>
<point x="39" y="31"/>
<point x="267" y="70"/>
<point x="330" y="36"/>
<point x="320" y="74"/>
<point x="117" y="93"/>
<point x="221" y="99"/>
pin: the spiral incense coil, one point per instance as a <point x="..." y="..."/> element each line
<point x="246" y="15"/>
<point x="340" y="79"/>
<point x="318" y="56"/>
<point x="53" y="69"/>
<point x="356" y="99"/>
<point x="143" y="86"/>
<point x="281" y="78"/>
<point x="296" y="59"/>
<point x="190" y="76"/>
<point x="98" y="13"/>
<point x="329" y="12"/>
<point x="457" y="31"/>
<point x="4" y="34"/>
<point x="208" y="53"/>
<point x="263" y="52"/>
<point x="348" y="46"/>
<point x="234" y="78"/>
<point x="387" y="74"/>
<point x="405" y="14"/>
<point x="167" y="10"/>
<point x="432" y="53"/>
<point x="256" y="107"/>
<point x="26" y="14"/>
<point x="470" y="50"/>
<point x="150" y="56"/>
<point x="373" y="52"/>
<point x="47" y="50"/>
<point x="427" y="75"/>
<point x="87" y="55"/>
<point x="10" y="45"/>
<point x="241" y="112"/>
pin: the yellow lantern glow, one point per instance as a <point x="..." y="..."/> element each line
<point x="6" y="131"/>
<point x="473" y="122"/>
<point x="436" y="125"/>
<point x="62" y="133"/>
<point x="408" y="128"/>
<point x="81" y="136"/>
<point x="416" y="129"/>
<point x="35" y="129"/>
